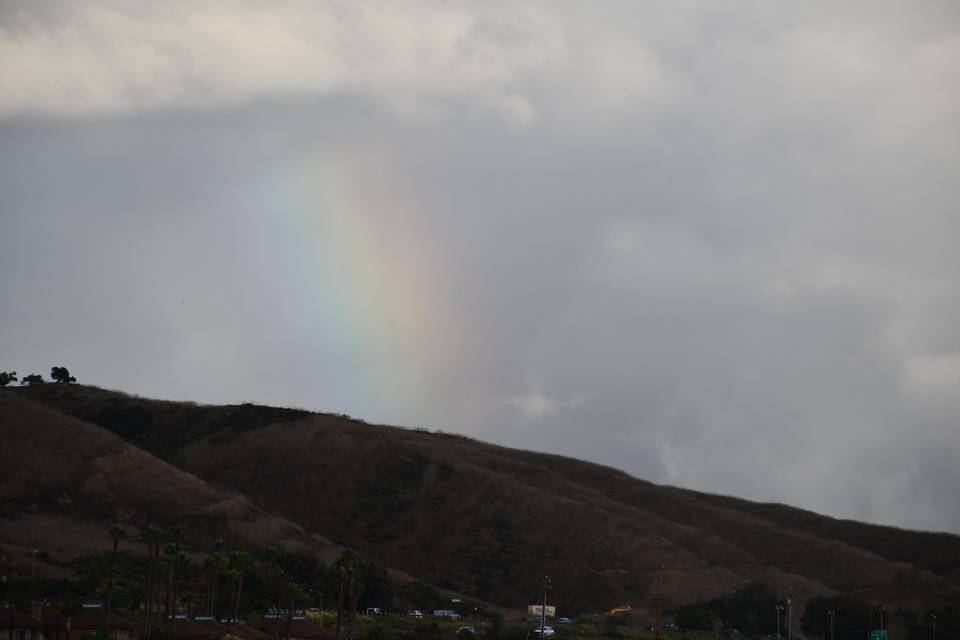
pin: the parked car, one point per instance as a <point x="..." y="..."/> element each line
<point x="564" y="621"/>
<point x="466" y="632"/>
<point x="415" y="613"/>
<point x="446" y="613"/>
<point x="373" y="611"/>
<point x="547" y="631"/>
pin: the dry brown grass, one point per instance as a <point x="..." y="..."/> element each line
<point x="489" y="521"/>
<point x="62" y="480"/>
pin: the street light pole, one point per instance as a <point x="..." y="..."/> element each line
<point x="543" y="609"/>
<point x="779" y="609"/>
<point x="789" y="618"/>
<point x="831" y="613"/>
<point x="934" y="616"/>
<point x="659" y="601"/>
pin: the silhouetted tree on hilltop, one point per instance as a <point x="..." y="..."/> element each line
<point x="61" y="374"/>
<point x="6" y="377"/>
<point x="32" y="379"/>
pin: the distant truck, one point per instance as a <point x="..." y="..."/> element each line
<point x="446" y="613"/>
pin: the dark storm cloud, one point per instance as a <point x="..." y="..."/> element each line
<point x="712" y="246"/>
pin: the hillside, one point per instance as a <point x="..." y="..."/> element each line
<point x="490" y="521"/>
<point x="62" y="480"/>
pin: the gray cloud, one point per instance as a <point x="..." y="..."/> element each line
<point x="713" y="246"/>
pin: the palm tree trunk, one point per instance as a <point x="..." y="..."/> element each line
<point x="339" y="607"/>
<point x="276" y="628"/>
<point x="173" y="610"/>
<point x="230" y="605"/>
<point x="113" y="571"/>
<point x="148" y="604"/>
<point x="286" y="631"/>
<point x="236" y="611"/>
<point x="352" y="600"/>
<point x="154" y="605"/>
<point x="212" y="593"/>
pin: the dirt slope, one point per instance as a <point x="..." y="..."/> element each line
<point x="63" y="480"/>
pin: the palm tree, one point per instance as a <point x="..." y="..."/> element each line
<point x="295" y="592"/>
<point x="236" y="577"/>
<point x="349" y="568"/>
<point x="212" y="566"/>
<point x="270" y="557"/>
<point x="282" y="581"/>
<point x="180" y="561"/>
<point x="153" y="535"/>
<point x="117" y="532"/>
<point x="240" y="562"/>
<point x="171" y="550"/>
<point x="191" y="602"/>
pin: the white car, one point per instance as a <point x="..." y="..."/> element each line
<point x="547" y="631"/>
<point x="416" y="613"/>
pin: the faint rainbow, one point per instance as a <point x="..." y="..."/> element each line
<point x="365" y="254"/>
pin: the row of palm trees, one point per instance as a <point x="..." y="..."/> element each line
<point x="167" y="565"/>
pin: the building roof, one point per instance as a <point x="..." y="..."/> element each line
<point x="88" y="618"/>
<point x="197" y="630"/>
<point x="301" y="629"/>
<point x="247" y="632"/>
<point x="297" y="629"/>
<point x="21" y="620"/>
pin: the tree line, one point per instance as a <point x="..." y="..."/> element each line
<point x="228" y="584"/>
<point x="57" y="374"/>
<point x="755" y="610"/>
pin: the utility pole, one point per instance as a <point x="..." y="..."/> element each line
<point x="779" y="611"/>
<point x="543" y="609"/>
<point x="883" y="636"/>
<point x="831" y="613"/>
<point x="934" y="616"/>
<point x="659" y="600"/>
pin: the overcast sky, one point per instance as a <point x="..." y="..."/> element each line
<point x="710" y="243"/>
